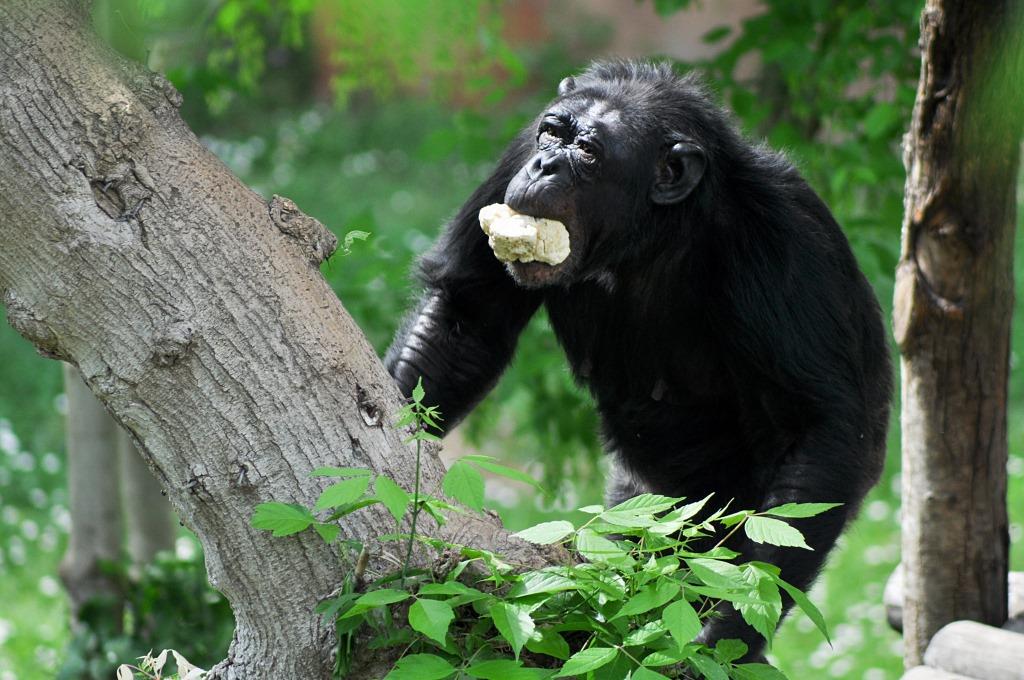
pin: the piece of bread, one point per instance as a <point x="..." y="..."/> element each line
<point x="513" y="236"/>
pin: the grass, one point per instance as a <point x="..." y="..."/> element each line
<point x="388" y="173"/>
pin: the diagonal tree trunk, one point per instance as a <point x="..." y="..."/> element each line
<point x="954" y="299"/>
<point x="195" y="311"/>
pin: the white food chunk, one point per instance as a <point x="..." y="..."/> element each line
<point x="513" y="236"/>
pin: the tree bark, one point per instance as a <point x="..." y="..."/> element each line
<point x="93" y="487"/>
<point x="953" y="302"/>
<point x="196" y="312"/>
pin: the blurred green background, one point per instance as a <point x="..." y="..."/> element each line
<point x="382" y="117"/>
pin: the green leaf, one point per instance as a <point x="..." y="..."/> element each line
<point x="435" y="508"/>
<point x="340" y="472"/>
<point x="546" y="533"/>
<point x="651" y="596"/>
<point x="716" y="34"/>
<point x="799" y="510"/>
<point x="628" y="519"/>
<point x="764" y="614"/>
<point x="418" y="392"/>
<point x="447" y="588"/>
<point x="730" y="594"/>
<point x="806" y="605"/>
<point x="734" y="517"/>
<point x="513" y="623"/>
<point x="505" y="669"/>
<point x="682" y="622"/>
<point x="646" y="633"/>
<point x="549" y="642"/>
<point x="716" y="573"/>
<point x="774" y="532"/>
<point x="668" y="7"/>
<point x="707" y="667"/>
<point x="690" y="509"/>
<point x="645" y="503"/>
<point x="597" y="548"/>
<point x="728" y="650"/>
<point x="394" y="497"/>
<point x="229" y="15"/>
<point x="376" y="598"/>
<point x="642" y="673"/>
<point x="665" y="657"/>
<point x="610" y="584"/>
<point x="545" y="581"/>
<point x="756" y="671"/>
<point x="488" y="463"/>
<point x="464" y="484"/>
<point x="432" y="618"/>
<point x="351" y="237"/>
<point x="328" y="532"/>
<point x="349" y="508"/>
<point x="342" y="493"/>
<point x="420" y="667"/>
<point x="406" y="416"/>
<point x="880" y="119"/>
<point x="588" y="660"/>
<point x="283" y="519"/>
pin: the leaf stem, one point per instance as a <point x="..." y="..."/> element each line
<point x="415" y="512"/>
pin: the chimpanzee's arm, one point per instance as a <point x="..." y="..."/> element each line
<point x="462" y="332"/>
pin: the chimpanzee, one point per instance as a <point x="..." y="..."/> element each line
<point x="710" y="303"/>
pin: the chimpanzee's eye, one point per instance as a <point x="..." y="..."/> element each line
<point x="551" y="130"/>
<point x="587" y="149"/>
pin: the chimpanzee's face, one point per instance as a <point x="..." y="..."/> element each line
<point x="599" y="176"/>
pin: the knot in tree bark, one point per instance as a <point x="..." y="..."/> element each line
<point x="318" y="242"/>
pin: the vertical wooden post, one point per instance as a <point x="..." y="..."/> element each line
<point x="94" y="490"/>
<point x="953" y="303"/>
<point x="148" y="516"/>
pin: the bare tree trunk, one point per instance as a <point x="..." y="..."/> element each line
<point x="953" y="302"/>
<point x="196" y="312"/>
<point x="95" y="506"/>
<point x="149" y="520"/>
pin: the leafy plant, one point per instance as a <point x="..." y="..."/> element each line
<point x="152" y="668"/>
<point x="654" y="569"/>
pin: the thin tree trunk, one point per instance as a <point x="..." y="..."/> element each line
<point x="953" y="302"/>
<point x="149" y="520"/>
<point x="196" y="312"/>
<point x="95" y="508"/>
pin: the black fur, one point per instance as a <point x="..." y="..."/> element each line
<point x="728" y="337"/>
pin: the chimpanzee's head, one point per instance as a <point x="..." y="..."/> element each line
<point x="618" y="146"/>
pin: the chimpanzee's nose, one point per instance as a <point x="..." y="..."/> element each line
<point x="545" y="164"/>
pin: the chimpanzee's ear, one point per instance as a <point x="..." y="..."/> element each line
<point x="566" y="86"/>
<point x="679" y="170"/>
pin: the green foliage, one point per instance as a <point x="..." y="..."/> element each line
<point x="669" y="7"/>
<point x="834" y="88"/>
<point x="166" y="593"/>
<point x="635" y="608"/>
<point x="654" y="573"/>
<point x="449" y="49"/>
<point x="350" y="238"/>
<point x="216" y="49"/>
